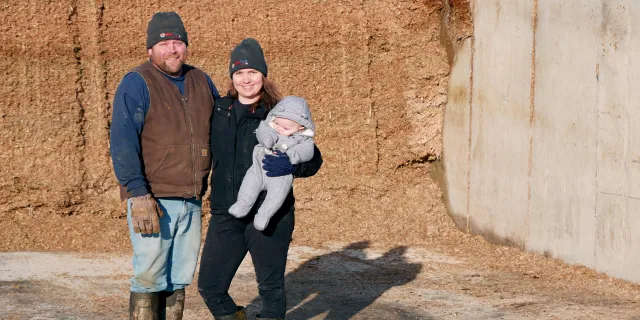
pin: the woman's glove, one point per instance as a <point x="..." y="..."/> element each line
<point x="278" y="164"/>
<point x="145" y="215"/>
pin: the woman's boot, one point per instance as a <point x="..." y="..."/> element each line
<point x="238" y="315"/>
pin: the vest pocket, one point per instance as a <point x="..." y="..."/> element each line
<point x="174" y="168"/>
<point x="203" y="154"/>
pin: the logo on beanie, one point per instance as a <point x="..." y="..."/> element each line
<point x="240" y="63"/>
<point x="169" y="34"/>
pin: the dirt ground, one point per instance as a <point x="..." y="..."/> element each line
<point x="339" y="281"/>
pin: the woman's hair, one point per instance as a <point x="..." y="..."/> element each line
<point x="269" y="95"/>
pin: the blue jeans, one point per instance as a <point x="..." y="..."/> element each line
<point x="167" y="261"/>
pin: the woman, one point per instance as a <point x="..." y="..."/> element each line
<point x="235" y="120"/>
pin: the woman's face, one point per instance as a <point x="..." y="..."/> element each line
<point x="248" y="83"/>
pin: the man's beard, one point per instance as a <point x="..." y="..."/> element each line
<point x="172" y="70"/>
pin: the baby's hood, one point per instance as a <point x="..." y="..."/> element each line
<point x="295" y="109"/>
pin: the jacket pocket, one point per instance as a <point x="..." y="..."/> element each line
<point x="221" y="185"/>
<point x="221" y="119"/>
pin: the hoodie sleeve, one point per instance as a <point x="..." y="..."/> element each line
<point x="266" y="135"/>
<point x="130" y="107"/>
<point x="301" y="152"/>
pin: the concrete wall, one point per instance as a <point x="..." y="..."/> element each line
<point x="544" y="130"/>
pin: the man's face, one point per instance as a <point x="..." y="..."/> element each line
<point x="169" y="56"/>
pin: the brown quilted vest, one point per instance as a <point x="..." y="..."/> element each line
<point x="175" y="136"/>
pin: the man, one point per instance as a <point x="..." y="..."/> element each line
<point x="160" y="152"/>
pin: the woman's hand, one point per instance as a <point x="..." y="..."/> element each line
<point x="278" y="165"/>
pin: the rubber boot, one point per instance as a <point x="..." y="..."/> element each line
<point x="143" y="306"/>
<point x="171" y="305"/>
<point x="238" y="315"/>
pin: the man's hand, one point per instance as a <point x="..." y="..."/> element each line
<point x="278" y="164"/>
<point x="145" y="215"/>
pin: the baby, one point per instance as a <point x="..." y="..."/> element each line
<point x="288" y="128"/>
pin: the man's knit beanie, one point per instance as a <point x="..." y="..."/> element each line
<point x="247" y="55"/>
<point x="165" y="26"/>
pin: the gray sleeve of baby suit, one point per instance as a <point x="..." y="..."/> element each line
<point x="266" y="135"/>
<point x="301" y="152"/>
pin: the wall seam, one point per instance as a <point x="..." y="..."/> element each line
<point x="595" y="177"/>
<point x="532" y="109"/>
<point x="74" y="30"/>
<point x="473" y="53"/>
<point x="103" y="65"/>
<point x="628" y="138"/>
<point x="372" y="114"/>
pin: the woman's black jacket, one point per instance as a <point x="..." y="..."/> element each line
<point x="232" y="142"/>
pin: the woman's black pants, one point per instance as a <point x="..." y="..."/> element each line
<point x="227" y="242"/>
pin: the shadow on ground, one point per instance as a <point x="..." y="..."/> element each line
<point x="312" y="288"/>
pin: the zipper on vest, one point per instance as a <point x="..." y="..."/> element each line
<point x="193" y="152"/>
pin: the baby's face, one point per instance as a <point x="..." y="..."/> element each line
<point x="286" y="127"/>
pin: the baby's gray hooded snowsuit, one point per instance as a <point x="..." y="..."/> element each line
<point x="299" y="148"/>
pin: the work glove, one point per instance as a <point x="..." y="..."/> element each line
<point x="145" y="215"/>
<point x="278" y="164"/>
